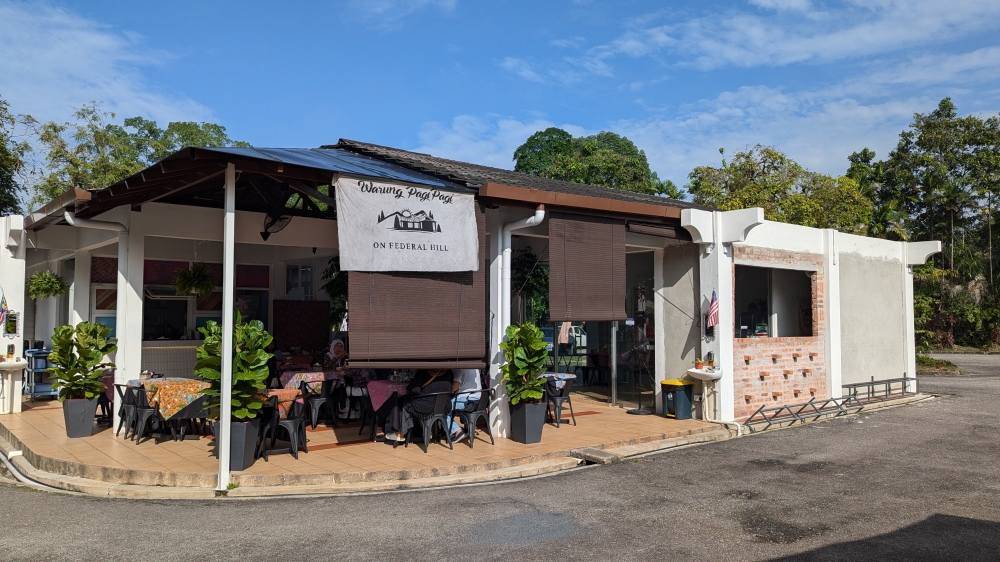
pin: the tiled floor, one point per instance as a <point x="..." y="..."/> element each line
<point x="335" y="450"/>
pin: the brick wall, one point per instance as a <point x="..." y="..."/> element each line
<point x="776" y="371"/>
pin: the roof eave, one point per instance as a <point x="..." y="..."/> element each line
<point x="538" y="196"/>
<point x="54" y="209"/>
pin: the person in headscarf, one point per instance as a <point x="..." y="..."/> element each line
<point x="336" y="358"/>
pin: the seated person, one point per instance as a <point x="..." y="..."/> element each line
<point x="465" y="380"/>
<point x="355" y="386"/>
<point x="336" y="358"/>
<point x="424" y="382"/>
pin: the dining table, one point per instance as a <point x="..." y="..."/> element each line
<point x="171" y="395"/>
<point x="558" y="379"/>
<point x="380" y="391"/>
<point x="314" y="379"/>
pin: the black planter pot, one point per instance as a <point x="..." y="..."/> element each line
<point x="79" y="416"/>
<point x="526" y="421"/>
<point x="242" y="443"/>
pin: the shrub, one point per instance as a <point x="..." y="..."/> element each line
<point x="78" y="360"/>
<point x="524" y="361"/>
<point x="250" y="358"/>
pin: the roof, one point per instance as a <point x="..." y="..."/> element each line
<point x="474" y="175"/>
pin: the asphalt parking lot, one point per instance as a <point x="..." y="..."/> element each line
<point x="918" y="482"/>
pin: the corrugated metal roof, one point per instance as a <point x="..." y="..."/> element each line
<point x="334" y="160"/>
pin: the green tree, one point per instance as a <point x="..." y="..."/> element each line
<point x="14" y="151"/>
<point x="765" y="177"/>
<point x="605" y="159"/>
<point x="94" y="151"/>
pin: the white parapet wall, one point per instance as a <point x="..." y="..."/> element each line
<point x="12" y="278"/>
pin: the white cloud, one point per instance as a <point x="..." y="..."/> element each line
<point x="388" y="14"/>
<point x="800" y="5"/>
<point x="521" y="68"/>
<point x="486" y="140"/>
<point x="54" y="61"/>
<point x="571" y="42"/>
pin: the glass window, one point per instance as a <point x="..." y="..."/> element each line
<point x="109" y="321"/>
<point x="299" y="282"/>
<point x="773" y="302"/>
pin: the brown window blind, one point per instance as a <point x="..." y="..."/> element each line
<point x="586" y="268"/>
<point x="660" y="230"/>
<point x="419" y="320"/>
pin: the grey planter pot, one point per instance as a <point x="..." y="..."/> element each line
<point x="526" y="422"/>
<point x="242" y="443"/>
<point x="78" y="414"/>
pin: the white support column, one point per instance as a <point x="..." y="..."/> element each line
<point x="80" y="303"/>
<point x="12" y="277"/>
<point x="134" y="301"/>
<point x="499" y="414"/>
<point x="228" y="286"/>
<point x="831" y="269"/>
<point x="659" y="343"/>
<point x="121" y="316"/>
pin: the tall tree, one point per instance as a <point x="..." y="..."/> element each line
<point x="606" y="159"/>
<point x="765" y="177"/>
<point x="94" y="151"/>
<point x="13" y="159"/>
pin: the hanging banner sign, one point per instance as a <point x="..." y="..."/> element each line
<point x="386" y="226"/>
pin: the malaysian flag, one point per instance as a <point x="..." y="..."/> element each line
<point x="713" y="312"/>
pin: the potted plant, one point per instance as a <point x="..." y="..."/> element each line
<point x="43" y="284"/>
<point x="524" y="361"/>
<point x="249" y="383"/>
<point x="77" y="363"/>
<point x="196" y="281"/>
<point x="698" y="363"/>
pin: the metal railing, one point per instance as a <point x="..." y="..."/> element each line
<point x="875" y="391"/>
<point x="854" y="399"/>
<point x="801" y="412"/>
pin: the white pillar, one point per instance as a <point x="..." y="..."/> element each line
<point x="12" y="254"/>
<point x="831" y="300"/>
<point x="499" y="414"/>
<point x="228" y="285"/>
<point x="909" y="329"/>
<point x="659" y="343"/>
<point x="80" y="303"/>
<point x="716" y="273"/>
<point x="136" y="271"/>
<point x="121" y="315"/>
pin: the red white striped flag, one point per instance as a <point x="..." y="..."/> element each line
<point x="713" y="312"/>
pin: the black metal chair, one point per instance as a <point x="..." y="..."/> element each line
<point x="144" y="414"/>
<point x="556" y="397"/>
<point x="471" y="417"/>
<point x="316" y="402"/>
<point x="126" y="414"/>
<point x="295" y="426"/>
<point x="356" y="395"/>
<point x="268" y="425"/>
<point x="437" y="416"/>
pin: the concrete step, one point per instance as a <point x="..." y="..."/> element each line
<point x="605" y="456"/>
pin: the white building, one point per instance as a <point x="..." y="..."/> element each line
<point x="802" y="311"/>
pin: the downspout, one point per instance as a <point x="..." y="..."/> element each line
<point x="88" y="223"/>
<point x="534" y="220"/>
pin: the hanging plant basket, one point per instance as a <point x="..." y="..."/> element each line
<point x="43" y="284"/>
<point x="195" y="281"/>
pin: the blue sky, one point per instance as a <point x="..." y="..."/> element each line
<point x="472" y="80"/>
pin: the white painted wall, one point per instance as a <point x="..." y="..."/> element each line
<point x="12" y="277"/>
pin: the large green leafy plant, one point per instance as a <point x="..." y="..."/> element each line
<point x="250" y="357"/>
<point x="195" y="281"/>
<point x="524" y="360"/>
<point x="78" y="360"/>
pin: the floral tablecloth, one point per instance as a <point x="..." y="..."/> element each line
<point x="380" y="391"/>
<point x="286" y="396"/>
<point x="171" y="395"/>
<point x="313" y="378"/>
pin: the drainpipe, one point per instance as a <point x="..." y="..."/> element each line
<point x="534" y="220"/>
<point x="88" y="223"/>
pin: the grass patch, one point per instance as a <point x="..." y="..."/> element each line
<point x="932" y="363"/>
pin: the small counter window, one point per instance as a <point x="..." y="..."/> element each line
<point x="773" y="302"/>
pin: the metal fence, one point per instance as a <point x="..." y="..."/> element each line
<point x="854" y="399"/>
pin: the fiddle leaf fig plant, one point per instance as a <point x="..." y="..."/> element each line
<point x="524" y="354"/>
<point x="78" y="360"/>
<point x="250" y="357"/>
<point x="195" y="281"/>
<point x="43" y="284"/>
